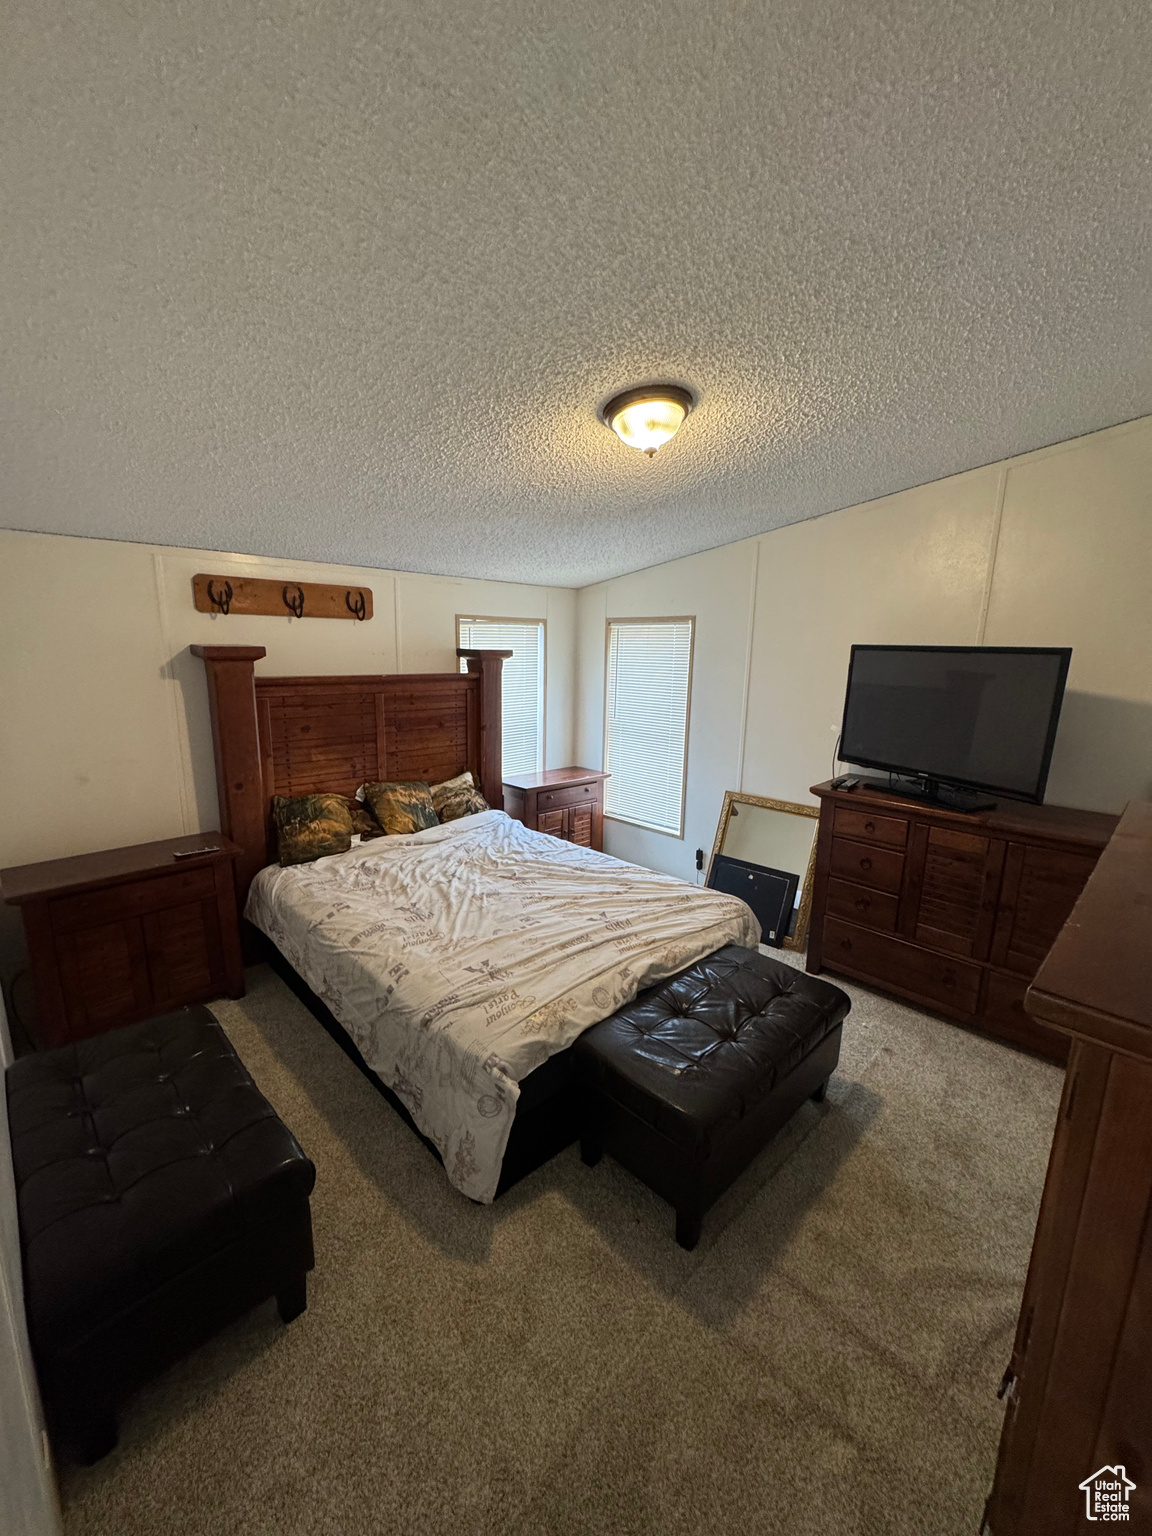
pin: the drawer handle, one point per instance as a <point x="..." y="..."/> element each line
<point x="845" y="943"/>
<point x="862" y="903"/>
<point x="865" y="863"/>
<point x="949" y="979"/>
<point x="869" y="826"/>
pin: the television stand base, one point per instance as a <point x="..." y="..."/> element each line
<point x="932" y="792"/>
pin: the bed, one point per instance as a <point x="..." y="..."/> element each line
<point x="460" y="963"/>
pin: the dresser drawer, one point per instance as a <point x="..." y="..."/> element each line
<point x="882" y="868"/>
<point x="948" y="984"/>
<point x="132" y="899"/>
<point x="1004" y="999"/>
<point x="573" y="794"/>
<point x="892" y="831"/>
<point x="859" y="904"/>
<point x="1005" y="1015"/>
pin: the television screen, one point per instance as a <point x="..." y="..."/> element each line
<point x="981" y="716"/>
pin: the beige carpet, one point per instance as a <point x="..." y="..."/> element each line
<point x="826" y="1361"/>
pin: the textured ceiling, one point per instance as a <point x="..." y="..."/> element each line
<point x="347" y="281"/>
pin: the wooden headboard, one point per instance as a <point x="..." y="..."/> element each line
<point x="302" y="735"/>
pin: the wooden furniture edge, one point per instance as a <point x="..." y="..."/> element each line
<point x="1090" y="1025"/>
<point x="1055" y="824"/>
<point x="48" y="886"/>
<point x="1114" y="925"/>
<point x="555" y="777"/>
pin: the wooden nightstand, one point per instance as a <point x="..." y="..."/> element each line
<point x="564" y="802"/>
<point x="128" y="933"/>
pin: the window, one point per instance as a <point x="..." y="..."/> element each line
<point x="646" y="721"/>
<point x="523" y="685"/>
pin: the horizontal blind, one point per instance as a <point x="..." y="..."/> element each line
<point x="523" y="684"/>
<point x="649" y="663"/>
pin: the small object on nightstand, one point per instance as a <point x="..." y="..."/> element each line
<point x="567" y="803"/>
<point x="123" y="935"/>
<point x="845" y="781"/>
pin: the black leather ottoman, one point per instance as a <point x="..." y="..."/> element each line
<point x="687" y="1083"/>
<point x="160" y="1197"/>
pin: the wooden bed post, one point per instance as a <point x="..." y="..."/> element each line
<point x="490" y="666"/>
<point x="236" y="740"/>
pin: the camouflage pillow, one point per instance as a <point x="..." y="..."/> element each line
<point x="363" y="821"/>
<point x="457" y="797"/>
<point x="401" y="807"/>
<point x="311" y="827"/>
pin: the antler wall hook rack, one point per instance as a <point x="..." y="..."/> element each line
<point x="279" y="599"/>
<point x="294" y="601"/>
<point x="220" y="600"/>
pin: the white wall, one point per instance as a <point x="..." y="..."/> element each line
<point x="27" y="1492"/>
<point x="1053" y="548"/>
<point x="106" y="739"/>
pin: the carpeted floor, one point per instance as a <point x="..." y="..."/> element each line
<point x="825" y="1361"/>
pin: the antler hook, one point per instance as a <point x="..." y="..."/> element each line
<point x="221" y="600"/>
<point x="295" y="602"/>
<point x="358" y="608"/>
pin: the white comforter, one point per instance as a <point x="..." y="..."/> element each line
<point x="460" y="958"/>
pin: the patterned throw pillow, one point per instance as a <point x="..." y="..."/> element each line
<point x="363" y="821"/>
<point x="457" y="797"/>
<point x="311" y="827"/>
<point x="402" y="807"/>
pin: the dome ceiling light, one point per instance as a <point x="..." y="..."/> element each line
<point x="646" y="418"/>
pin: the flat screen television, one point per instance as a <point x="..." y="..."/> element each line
<point x="979" y="717"/>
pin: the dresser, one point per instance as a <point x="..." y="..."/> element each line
<point x="953" y="912"/>
<point x="564" y="802"/>
<point x="127" y="933"/>
<point x="1077" y="1438"/>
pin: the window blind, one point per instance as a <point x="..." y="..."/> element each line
<point x="646" y="726"/>
<point x="523" y="684"/>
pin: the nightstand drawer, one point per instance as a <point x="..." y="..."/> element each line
<point x="879" y="867"/>
<point x="567" y="803"/>
<point x="132" y="899"/>
<point x="576" y="794"/>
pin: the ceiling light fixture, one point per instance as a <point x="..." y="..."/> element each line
<point x="646" y="418"/>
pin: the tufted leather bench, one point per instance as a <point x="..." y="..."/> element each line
<point x="689" y="1081"/>
<point x="160" y="1197"/>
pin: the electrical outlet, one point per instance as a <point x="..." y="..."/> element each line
<point x="699" y="858"/>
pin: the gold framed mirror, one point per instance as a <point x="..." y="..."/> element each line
<point x="776" y="835"/>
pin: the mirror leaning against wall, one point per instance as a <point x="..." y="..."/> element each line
<point x="765" y="852"/>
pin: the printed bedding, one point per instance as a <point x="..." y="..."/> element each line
<point x="460" y="958"/>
